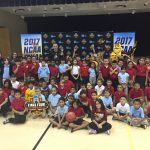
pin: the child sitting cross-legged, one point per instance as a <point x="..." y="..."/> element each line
<point x="99" y="122"/>
<point x="137" y="117"/>
<point x="59" y="117"/>
<point x="122" y="110"/>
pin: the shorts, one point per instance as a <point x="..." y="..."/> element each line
<point x="78" y="121"/>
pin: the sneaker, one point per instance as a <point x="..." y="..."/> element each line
<point x="144" y="126"/>
<point x="108" y="132"/>
<point x="91" y="131"/>
<point x="5" y="122"/>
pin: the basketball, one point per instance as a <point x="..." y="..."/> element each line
<point x="70" y="116"/>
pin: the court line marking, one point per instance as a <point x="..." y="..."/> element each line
<point x="38" y="142"/>
<point x="130" y="137"/>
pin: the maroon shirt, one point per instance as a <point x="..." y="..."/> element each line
<point x="147" y="93"/>
<point x="105" y="71"/>
<point x="3" y="97"/>
<point x="141" y="70"/>
<point x="62" y="91"/>
<point x="131" y="72"/>
<point x="20" y="72"/>
<point x="99" y="119"/>
<point x="135" y="94"/>
<point x="18" y="104"/>
<point x="118" y="95"/>
<point x="22" y="90"/>
<point x="79" y="112"/>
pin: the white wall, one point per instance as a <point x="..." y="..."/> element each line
<point x="16" y="26"/>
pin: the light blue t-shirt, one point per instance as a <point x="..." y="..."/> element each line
<point x="43" y="72"/>
<point x="6" y="74"/>
<point x="62" y="68"/>
<point x="137" y="113"/>
<point x="92" y="72"/>
<point x="61" y="110"/>
<point x="36" y="97"/>
<point x="53" y="99"/>
<point x="107" y="101"/>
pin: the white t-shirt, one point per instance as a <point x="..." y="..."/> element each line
<point x="15" y="85"/>
<point x="99" y="90"/>
<point x="123" y="109"/>
<point x="75" y="70"/>
<point x="123" y="77"/>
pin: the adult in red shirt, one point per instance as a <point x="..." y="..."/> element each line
<point x="118" y="94"/>
<point x="18" y="108"/>
<point x="4" y="105"/>
<point x="131" y="71"/>
<point x="136" y="92"/>
<point x="79" y="123"/>
<point x="147" y="94"/>
<point x="84" y="73"/>
<point x="105" y="70"/>
<point x="34" y="68"/>
<point x="18" y="69"/>
<point x="141" y="73"/>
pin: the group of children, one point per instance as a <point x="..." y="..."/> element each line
<point x="90" y="86"/>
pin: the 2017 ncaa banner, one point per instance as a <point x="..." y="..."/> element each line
<point x="126" y="39"/>
<point x="31" y="44"/>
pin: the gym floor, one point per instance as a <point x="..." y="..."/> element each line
<point x="25" y="136"/>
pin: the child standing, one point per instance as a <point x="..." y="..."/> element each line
<point x="92" y="74"/>
<point x="99" y="122"/>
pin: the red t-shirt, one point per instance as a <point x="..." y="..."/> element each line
<point x="141" y="70"/>
<point x="131" y="72"/>
<point x="89" y="92"/>
<point x="135" y="94"/>
<point x="20" y="72"/>
<point x="105" y="71"/>
<point x="84" y="70"/>
<point x="18" y="105"/>
<point x="3" y="98"/>
<point x="118" y="95"/>
<point x="26" y="68"/>
<point x="147" y="93"/>
<point x="69" y="84"/>
<point x="110" y="89"/>
<point x="114" y="75"/>
<point x="84" y="100"/>
<point x="53" y="71"/>
<point x="34" y="68"/>
<point x="7" y="91"/>
<point x="22" y="90"/>
<point x="79" y="112"/>
<point x="62" y="91"/>
<point x="95" y="116"/>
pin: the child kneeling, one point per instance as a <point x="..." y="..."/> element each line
<point x="137" y="117"/>
<point x="18" y="108"/>
<point x="99" y="122"/>
<point x="122" y="110"/>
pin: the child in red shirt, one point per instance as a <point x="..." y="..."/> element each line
<point x="22" y="88"/>
<point x="7" y="87"/>
<point x="141" y="73"/>
<point x="136" y="93"/>
<point x="118" y="94"/>
<point x="147" y="95"/>
<point x="99" y="122"/>
<point x="79" y="123"/>
<point x="62" y="90"/>
<point x="4" y="105"/>
<point x="109" y="87"/>
<point x="54" y="71"/>
<point x="19" y="110"/>
<point x="84" y="73"/>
